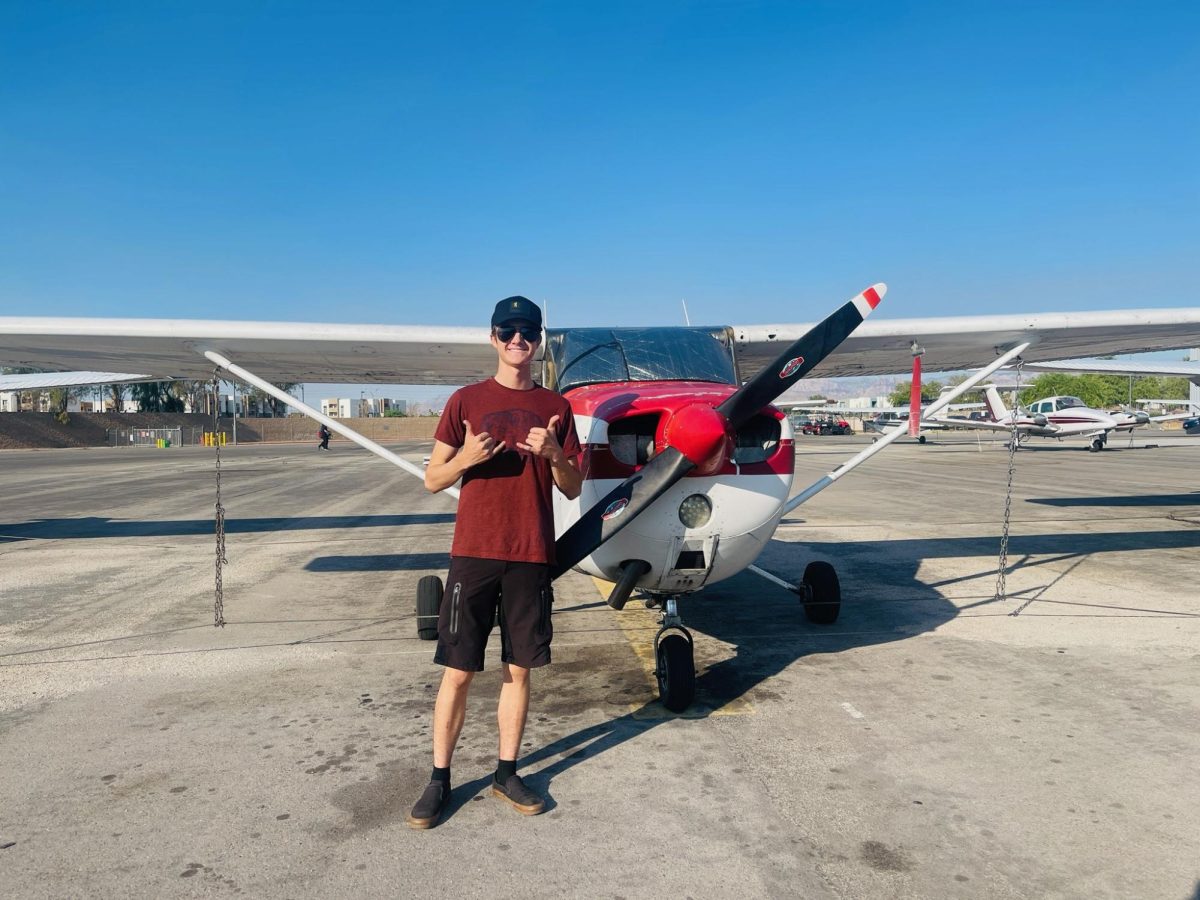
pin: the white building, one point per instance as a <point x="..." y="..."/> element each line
<point x="10" y="401"/>
<point x="338" y="408"/>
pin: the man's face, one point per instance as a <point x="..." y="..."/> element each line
<point x="516" y="348"/>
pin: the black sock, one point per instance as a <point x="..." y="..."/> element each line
<point x="505" y="769"/>
<point x="442" y="775"/>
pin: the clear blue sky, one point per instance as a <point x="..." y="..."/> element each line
<point x="415" y="162"/>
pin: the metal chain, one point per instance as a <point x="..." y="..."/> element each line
<point x="219" y="598"/>
<point x="1002" y="566"/>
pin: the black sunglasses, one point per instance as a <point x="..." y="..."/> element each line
<point x="532" y="335"/>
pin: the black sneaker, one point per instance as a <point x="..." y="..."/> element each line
<point x="429" y="808"/>
<point x="522" y="798"/>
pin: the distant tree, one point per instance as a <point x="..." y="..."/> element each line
<point x="60" y="399"/>
<point x="158" y="396"/>
<point x="1098" y="391"/>
<point x="278" y="407"/>
<point x="116" y="396"/>
<point x="903" y="391"/>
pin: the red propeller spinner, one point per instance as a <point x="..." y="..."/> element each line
<point x="701" y="434"/>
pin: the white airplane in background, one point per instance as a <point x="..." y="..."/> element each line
<point x="1059" y="417"/>
<point x="689" y="464"/>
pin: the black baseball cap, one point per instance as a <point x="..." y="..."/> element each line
<point x="512" y="308"/>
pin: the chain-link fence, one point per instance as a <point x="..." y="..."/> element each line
<point x="150" y="437"/>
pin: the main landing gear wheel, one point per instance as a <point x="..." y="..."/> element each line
<point x="429" y="601"/>
<point x="920" y="438"/>
<point x="1097" y="445"/>
<point x="676" y="671"/>
<point x="824" y="602"/>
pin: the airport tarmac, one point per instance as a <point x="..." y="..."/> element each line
<point x="934" y="742"/>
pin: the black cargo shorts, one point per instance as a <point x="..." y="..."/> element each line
<point x="474" y="587"/>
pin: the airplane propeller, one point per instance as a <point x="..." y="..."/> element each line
<point x="697" y="435"/>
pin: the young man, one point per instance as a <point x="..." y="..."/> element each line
<point x="324" y="434"/>
<point x="510" y="442"/>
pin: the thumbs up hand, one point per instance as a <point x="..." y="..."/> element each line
<point x="542" y="441"/>
<point x="478" y="448"/>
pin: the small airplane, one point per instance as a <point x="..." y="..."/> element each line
<point x="1059" y="417"/>
<point x="688" y="464"/>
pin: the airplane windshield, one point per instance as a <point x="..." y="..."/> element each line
<point x="580" y="356"/>
<point x="1069" y="402"/>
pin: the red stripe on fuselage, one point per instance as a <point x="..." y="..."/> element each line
<point x="613" y="402"/>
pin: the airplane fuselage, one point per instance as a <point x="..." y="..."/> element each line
<point x="621" y="427"/>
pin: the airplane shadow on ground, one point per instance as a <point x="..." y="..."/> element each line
<point x="1192" y="499"/>
<point x="102" y="527"/>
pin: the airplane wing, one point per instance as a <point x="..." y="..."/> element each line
<point x="966" y="342"/>
<point x="169" y="349"/>
<point x="1182" y="368"/>
<point x="45" y="380"/>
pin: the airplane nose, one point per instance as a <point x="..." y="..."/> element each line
<point x="701" y="434"/>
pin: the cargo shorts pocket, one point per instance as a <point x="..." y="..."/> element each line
<point x="545" y="610"/>
<point x="453" y="611"/>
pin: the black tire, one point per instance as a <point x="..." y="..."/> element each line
<point x="429" y="602"/>
<point x="676" y="673"/>
<point x="826" y="592"/>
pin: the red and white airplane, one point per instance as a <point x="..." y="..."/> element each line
<point x="688" y="465"/>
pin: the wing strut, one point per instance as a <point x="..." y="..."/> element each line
<point x="334" y="425"/>
<point x="936" y="407"/>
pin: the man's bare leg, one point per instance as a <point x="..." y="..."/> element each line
<point x="510" y="716"/>
<point x="449" y="712"/>
<point x="512" y="709"/>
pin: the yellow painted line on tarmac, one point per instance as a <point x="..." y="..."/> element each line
<point x="639" y="625"/>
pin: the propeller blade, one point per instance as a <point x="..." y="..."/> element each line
<point x="618" y="508"/>
<point x="798" y="360"/>
<point x="627" y="500"/>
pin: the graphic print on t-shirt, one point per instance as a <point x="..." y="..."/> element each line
<point x="511" y="426"/>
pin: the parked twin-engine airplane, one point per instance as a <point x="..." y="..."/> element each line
<point x="1060" y="417"/>
<point x="688" y="466"/>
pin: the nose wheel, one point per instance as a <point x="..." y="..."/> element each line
<point x="676" y="664"/>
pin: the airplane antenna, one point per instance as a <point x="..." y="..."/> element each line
<point x="687" y="321"/>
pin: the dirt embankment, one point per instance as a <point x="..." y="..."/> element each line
<point x="33" y="430"/>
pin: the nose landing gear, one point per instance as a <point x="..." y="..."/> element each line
<point x="676" y="664"/>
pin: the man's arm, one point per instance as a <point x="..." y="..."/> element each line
<point x="566" y="476"/>
<point x="447" y="464"/>
<point x="542" y="442"/>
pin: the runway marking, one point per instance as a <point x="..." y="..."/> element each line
<point x="854" y="713"/>
<point x="637" y="623"/>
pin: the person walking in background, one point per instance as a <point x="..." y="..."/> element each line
<point x="324" y="434"/>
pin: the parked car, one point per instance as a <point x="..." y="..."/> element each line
<point x="827" y="425"/>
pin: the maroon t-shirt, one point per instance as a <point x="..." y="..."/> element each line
<point x="504" y="508"/>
